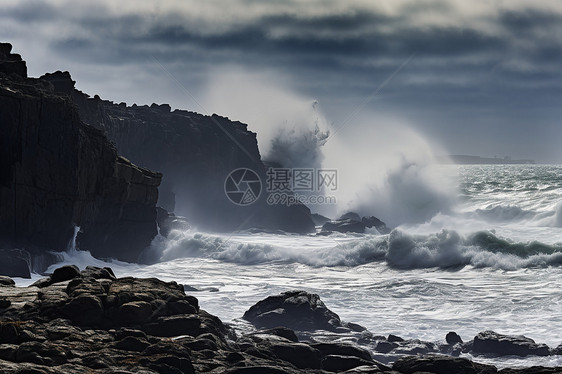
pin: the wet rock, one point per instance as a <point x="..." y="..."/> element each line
<point x="394" y="339"/>
<point x="135" y="313"/>
<point x="84" y="310"/>
<point x="346" y="225"/>
<point x="319" y="219"/>
<point x="7" y="281"/>
<point x="168" y="221"/>
<point x="415" y="347"/>
<point x="15" y="263"/>
<point x="98" y="273"/>
<point x="283" y="332"/>
<point x="65" y="273"/>
<point x="352" y="222"/>
<point x="453" y="338"/>
<point x="385" y="346"/>
<point x="132" y="343"/>
<point x="174" y="326"/>
<point x="297" y="310"/>
<point x="490" y="342"/>
<point x="301" y="355"/>
<point x="440" y="365"/>
<point x="532" y="370"/>
<point x="341" y="349"/>
<point x="337" y="363"/>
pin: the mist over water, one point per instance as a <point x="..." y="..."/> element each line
<point x="384" y="167"/>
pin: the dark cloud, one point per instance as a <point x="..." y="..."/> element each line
<point x="31" y="11"/>
<point x="499" y="72"/>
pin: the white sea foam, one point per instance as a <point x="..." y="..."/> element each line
<point x="491" y="261"/>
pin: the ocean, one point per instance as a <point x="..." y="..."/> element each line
<point x="491" y="261"/>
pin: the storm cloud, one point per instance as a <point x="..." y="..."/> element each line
<point x="486" y="77"/>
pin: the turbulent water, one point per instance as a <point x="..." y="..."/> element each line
<point x="493" y="261"/>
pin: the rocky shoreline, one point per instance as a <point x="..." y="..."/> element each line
<point x="92" y="322"/>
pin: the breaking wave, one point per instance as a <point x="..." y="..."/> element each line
<point x="446" y="249"/>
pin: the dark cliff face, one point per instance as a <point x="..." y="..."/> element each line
<point x="195" y="153"/>
<point x="56" y="173"/>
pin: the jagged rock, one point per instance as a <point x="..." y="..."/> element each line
<point x="394" y="339"/>
<point x="135" y="313"/>
<point x="342" y="349"/>
<point x="336" y="363"/>
<point x="15" y="263"/>
<point x="34" y="339"/>
<point x="440" y="365"/>
<point x="282" y="332"/>
<point x="85" y="310"/>
<point x="346" y="225"/>
<point x="319" y="219"/>
<point x="376" y="223"/>
<point x="11" y="63"/>
<point x="168" y="221"/>
<point x="352" y="222"/>
<point x="490" y="342"/>
<point x="415" y="347"/>
<point x="98" y="273"/>
<point x="557" y="350"/>
<point x="297" y="310"/>
<point x="132" y="343"/>
<point x="67" y="174"/>
<point x="195" y="152"/>
<point x="385" y="346"/>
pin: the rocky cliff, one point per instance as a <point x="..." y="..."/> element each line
<point x="195" y="153"/>
<point x="56" y="172"/>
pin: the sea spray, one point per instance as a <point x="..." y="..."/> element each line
<point x="384" y="167"/>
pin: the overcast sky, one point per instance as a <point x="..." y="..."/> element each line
<point x="476" y="77"/>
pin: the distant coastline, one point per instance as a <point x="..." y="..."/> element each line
<point x="477" y="160"/>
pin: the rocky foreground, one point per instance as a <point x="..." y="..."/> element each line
<point x="93" y="322"/>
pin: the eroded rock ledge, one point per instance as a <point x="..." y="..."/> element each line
<point x="93" y="322"/>
<point x="57" y="172"/>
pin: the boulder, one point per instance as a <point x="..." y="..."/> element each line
<point x="135" y="313"/>
<point x="65" y="273"/>
<point x="84" y="310"/>
<point x="98" y="273"/>
<point x="297" y="310"/>
<point x="6" y="281"/>
<point x="15" y="263"/>
<point x="490" y="342"/>
<point x="453" y="338"/>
